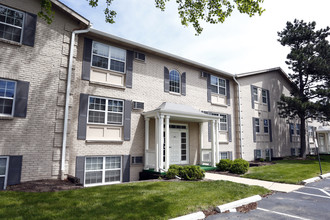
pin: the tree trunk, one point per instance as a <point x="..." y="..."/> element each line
<point x="303" y="137"/>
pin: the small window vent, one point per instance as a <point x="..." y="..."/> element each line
<point x="138" y="105"/>
<point x="140" y="56"/>
<point x="204" y="74"/>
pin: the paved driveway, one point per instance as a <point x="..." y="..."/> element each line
<point x="309" y="202"/>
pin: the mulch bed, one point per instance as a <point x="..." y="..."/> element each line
<point x="47" y="185"/>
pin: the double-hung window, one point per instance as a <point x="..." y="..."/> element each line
<point x="11" y="24"/>
<point x="102" y="170"/>
<point x="224" y="155"/>
<point x="255" y="93"/>
<point x="264" y="96"/>
<point x="218" y="85"/>
<point x="3" y="172"/>
<point x="291" y="129"/>
<point x="7" y="97"/>
<point x="266" y="126"/>
<point x="174" y="81"/>
<point x="108" y="57"/>
<point x="105" y="111"/>
<point x="298" y="129"/>
<point x="223" y="122"/>
<point x="257" y="125"/>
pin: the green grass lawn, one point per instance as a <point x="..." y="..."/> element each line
<point x="290" y="171"/>
<point x="143" y="200"/>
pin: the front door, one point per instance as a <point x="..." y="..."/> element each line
<point x="178" y="145"/>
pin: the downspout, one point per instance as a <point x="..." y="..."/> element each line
<point x="67" y="97"/>
<point x="239" y="117"/>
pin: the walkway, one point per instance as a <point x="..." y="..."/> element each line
<point x="280" y="187"/>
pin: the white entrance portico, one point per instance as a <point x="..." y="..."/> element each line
<point x="170" y="140"/>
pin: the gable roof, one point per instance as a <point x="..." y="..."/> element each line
<point x="141" y="47"/>
<point x="70" y="11"/>
<point x="275" y="69"/>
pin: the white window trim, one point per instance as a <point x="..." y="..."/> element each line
<point x="226" y="123"/>
<point x="266" y="126"/>
<point x="109" y="58"/>
<point x="262" y="96"/>
<point x="13" y="107"/>
<point x="258" y="150"/>
<point x="223" y="152"/>
<point x="6" y="172"/>
<point x="255" y="95"/>
<point x="169" y="82"/>
<point x="218" y="86"/>
<point x="257" y="125"/>
<point x="106" y="111"/>
<point x="22" y="28"/>
<point x="103" y="172"/>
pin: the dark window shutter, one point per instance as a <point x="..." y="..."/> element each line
<point x="254" y="129"/>
<point x="82" y="118"/>
<point x="129" y="68"/>
<point x="183" y="83"/>
<point x="229" y="128"/>
<point x="230" y="155"/>
<point x="2" y="183"/>
<point x="209" y="130"/>
<point x="290" y="125"/>
<point x="80" y="169"/>
<point x="21" y="99"/>
<point x="268" y="100"/>
<point x="252" y="97"/>
<point x="208" y="88"/>
<point x="166" y="80"/>
<point x="126" y="168"/>
<point x="228" y="91"/>
<point x="87" y="57"/>
<point x="255" y="154"/>
<point x="29" y="30"/>
<point x="127" y="120"/>
<point x="270" y="130"/>
<point x="14" y="170"/>
<point x="271" y="154"/>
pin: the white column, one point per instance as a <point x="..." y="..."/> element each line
<point x="156" y="144"/>
<point x="213" y="143"/>
<point x="217" y="122"/>
<point x="167" y="142"/>
<point x="146" y="142"/>
<point x="201" y="143"/>
<point x="161" y="141"/>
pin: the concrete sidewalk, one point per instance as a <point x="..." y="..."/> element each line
<point x="280" y="187"/>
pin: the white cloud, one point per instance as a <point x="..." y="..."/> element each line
<point x="241" y="44"/>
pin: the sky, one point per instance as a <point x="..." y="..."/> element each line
<point x="241" y="44"/>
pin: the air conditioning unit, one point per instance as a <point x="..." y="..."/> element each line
<point x="138" y="105"/>
<point x="204" y="74"/>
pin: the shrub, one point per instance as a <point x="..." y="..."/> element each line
<point x="239" y="166"/>
<point x="185" y="172"/>
<point x="224" y="165"/>
<point x="261" y="159"/>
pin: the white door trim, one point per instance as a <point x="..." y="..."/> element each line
<point x="187" y="142"/>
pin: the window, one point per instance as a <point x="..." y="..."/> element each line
<point x="137" y="160"/>
<point x="255" y="94"/>
<point x="140" y="56"/>
<point x="183" y="146"/>
<point x="298" y="129"/>
<point x="291" y="129"/>
<point x="3" y="172"/>
<point x="257" y="125"/>
<point x="223" y="123"/>
<point x="101" y="170"/>
<point x="266" y="126"/>
<point x="105" y="111"/>
<point x="257" y="154"/>
<point x="264" y="96"/>
<point x="174" y="81"/>
<point x="11" y="24"/>
<point x="223" y="155"/>
<point x="218" y="85"/>
<point x="7" y="97"/>
<point x="108" y="57"/>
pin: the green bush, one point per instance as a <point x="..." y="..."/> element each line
<point x="224" y="165"/>
<point x="261" y="159"/>
<point x="185" y="172"/>
<point x="239" y="166"/>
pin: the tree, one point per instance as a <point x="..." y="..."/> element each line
<point x="309" y="59"/>
<point x="190" y="11"/>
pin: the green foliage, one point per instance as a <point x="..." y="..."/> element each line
<point x="185" y="172"/>
<point x="239" y="166"/>
<point x="261" y="159"/>
<point x="46" y="11"/>
<point x="190" y="11"/>
<point x="224" y="165"/>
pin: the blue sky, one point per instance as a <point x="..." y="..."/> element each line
<point x="241" y="44"/>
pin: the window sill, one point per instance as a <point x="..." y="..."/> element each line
<point x="223" y="142"/>
<point x="6" y="117"/>
<point x="174" y="93"/>
<point x="10" y="42"/>
<point x="104" y="141"/>
<point x="140" y="61"/>
<point x="107" y="84"/>
<point x="217" y="104"/>
<point x="136" y="164"/>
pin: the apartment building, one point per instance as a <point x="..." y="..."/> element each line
<point x="129" y="108"/>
